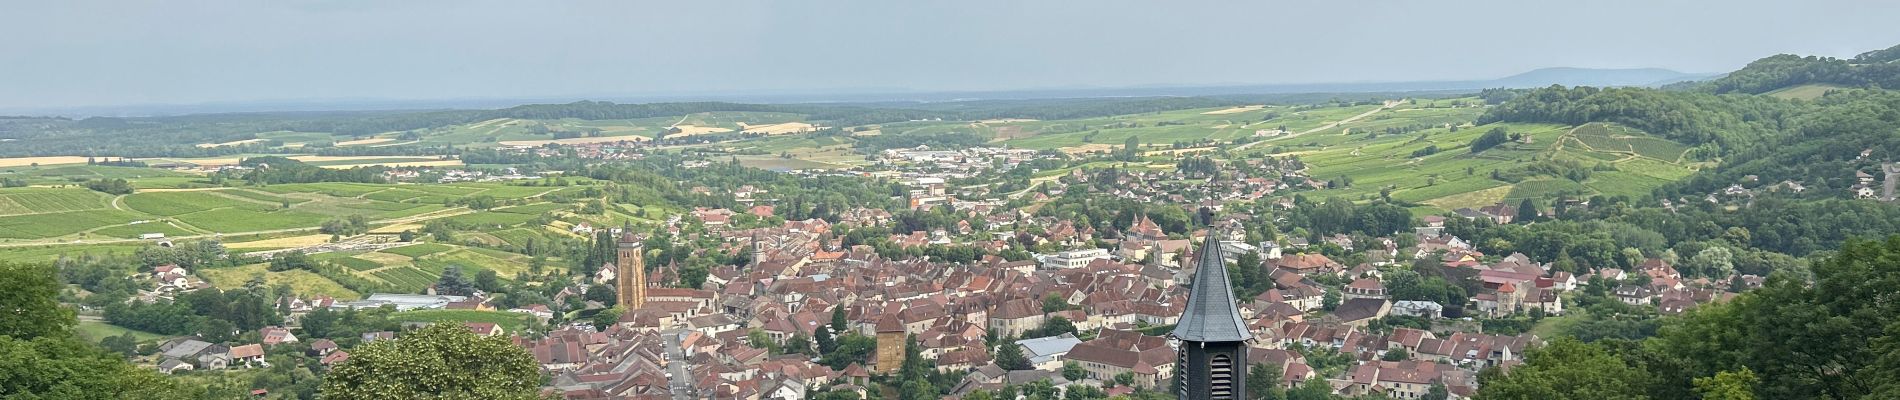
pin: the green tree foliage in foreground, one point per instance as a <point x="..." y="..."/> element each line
<point x="1837" y="337"/>
<point x="442" y="361"/>
<point x="41" y="359"/>
<point x="28" y="305"/>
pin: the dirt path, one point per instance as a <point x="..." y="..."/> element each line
<point x="1387" y="106"/>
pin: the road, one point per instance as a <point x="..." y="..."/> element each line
<point x="682" y="384"/>
<point x="1388" y="105"/>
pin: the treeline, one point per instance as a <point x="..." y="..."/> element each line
<point x="1875" y="69"/>
<point x="277" y="170"/>
<point x="942" y="141"/>
<point x="1728" y="122"/>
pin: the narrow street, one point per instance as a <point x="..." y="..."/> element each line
<point x="681" y="384"/>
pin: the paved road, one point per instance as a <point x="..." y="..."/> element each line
<point x="681" y="385"/>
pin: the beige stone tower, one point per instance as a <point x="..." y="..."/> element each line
<point x="891" y="340"/>
<point x="630" y="277"/>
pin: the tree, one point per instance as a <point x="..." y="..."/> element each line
<point x="1053" y="302"/>
<point x="1009" y="356"/>
<point x="64" y="367"/>
<point x="452" y="282"/>
<point x="443" y="361"/>
<point x="1436" y="392"/>
<point x="486" y="280"/>
<point x="1056" y="326"/>
<point x="1330" y="300"/>
<point x="1727" y="385"/>
<point x="29" y="298"/>
<point x="1562" y="370"/>
<point x="1263" y="382"/>
<point x="822" y="336"/>
<point x="1713" y="262"/>
<point x="1398" y="354"/>
<point x="1491" y="138"/>
<point x="40" y="358"/>
<point x="1073" y="371"/>
<point x="837" y="319"/>
<point x="1526" y="211"/>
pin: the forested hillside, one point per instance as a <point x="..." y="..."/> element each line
<point x="1820" y="144"/>
<point x="1871" y="69"/>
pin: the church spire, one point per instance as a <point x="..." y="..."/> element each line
<point x="1211" y="314"/>
<point x="1213" y="352"/>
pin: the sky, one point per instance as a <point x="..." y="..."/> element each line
<point x="78" y="53"/>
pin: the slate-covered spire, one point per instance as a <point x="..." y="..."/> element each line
<point x="1211" y="314"/>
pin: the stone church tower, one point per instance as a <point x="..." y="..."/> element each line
<point x="1213" y="352"/>
<point x="630" y="277"/>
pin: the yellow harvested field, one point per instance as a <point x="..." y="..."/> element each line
<point x="436" y="163"/>
<point x="1092" y="147"/>
<point x="48" y="160"/>
<point x="690" y="130"/>
<point x="779" y="129"/>
<point x="582" y="140"/>
<point x="1170" y="152"/>
<point x="283" y="242"/>
<point x="365" y="141"/>
<point x="235" y="143"/>
<point x="396" y="228"/>
<point x="1235" y="110"/>
<point x="1471" y="199"/>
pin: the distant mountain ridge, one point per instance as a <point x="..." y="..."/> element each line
<point x="1567" y="76"/>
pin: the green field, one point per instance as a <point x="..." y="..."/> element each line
<point x="300" y="281"/>
<point x="419" y="249"/>
<point x="1804" y="92"/>
<point x="16" y="201"/>
<point x="94" y="331"/>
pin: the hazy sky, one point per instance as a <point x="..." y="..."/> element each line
<point x="87" y="53"/>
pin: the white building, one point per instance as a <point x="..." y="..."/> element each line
<point x="1074" y="258"/>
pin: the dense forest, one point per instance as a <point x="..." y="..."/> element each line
<point x="1875" y="69"/>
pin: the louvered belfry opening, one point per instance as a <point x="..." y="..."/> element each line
<point x="1221" y="377"/>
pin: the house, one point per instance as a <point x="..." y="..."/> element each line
<point x="1115" y="352"/>
<point x="321" y="347"/>
<point x="333" y="358"/>
<point x="1413" y="308"/>
<point x="1365" y="288"/>
<point x="484" y="328"/>
<point x="1634" y="295"/>
<point x="1409" y="379"/>
<point x="1361" y="311"/>
<point x="202" y="354"/>
<point x="173" y="365"/>
<point x="277" y="335"/>
<point x="250" y="354"/>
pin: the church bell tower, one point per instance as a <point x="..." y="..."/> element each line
<point x="630" y="277"/>
<point x="1213" y="337"/>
